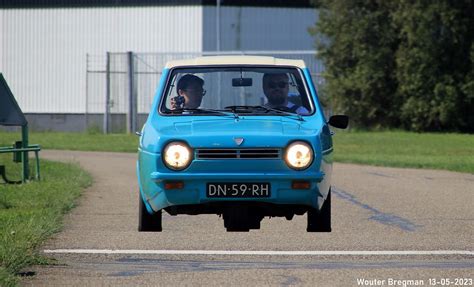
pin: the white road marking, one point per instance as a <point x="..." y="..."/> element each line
<point x="259" y="252"/>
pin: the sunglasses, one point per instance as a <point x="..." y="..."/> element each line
<point x="280" y="85"/>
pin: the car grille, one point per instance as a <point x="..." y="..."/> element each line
<point x="237" y="153"/>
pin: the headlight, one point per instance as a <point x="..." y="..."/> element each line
<point x="298" y="155"/>
<point x="177" y="155"/>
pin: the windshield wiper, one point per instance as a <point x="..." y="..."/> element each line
<point x="201" y="110"/>
<point x="266" y="109"/>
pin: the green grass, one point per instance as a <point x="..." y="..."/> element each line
<point x="77" y="141"/>
<point x="390" y="148"/>
<point x="32" y="212"/>
<point x="453" y="152"/>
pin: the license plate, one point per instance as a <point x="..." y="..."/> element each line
<point x="238" y="190"/>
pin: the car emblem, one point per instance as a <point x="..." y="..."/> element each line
<point x="238" y="141"/>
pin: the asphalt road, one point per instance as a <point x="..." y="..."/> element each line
<point x="389" y="224"/>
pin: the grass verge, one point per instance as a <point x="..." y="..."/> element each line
<point x="387" y="148"/>
<point x="406" y="149"/>
<point x="32" y="212"/>
<point x="77" y="141"/>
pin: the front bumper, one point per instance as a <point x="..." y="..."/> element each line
<point x="195" y="185"/>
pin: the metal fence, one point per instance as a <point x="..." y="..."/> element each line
<point x="120" y="86"/>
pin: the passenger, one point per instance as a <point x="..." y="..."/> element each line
<point x="190" y="92"/>
<point x="275" y="88"/>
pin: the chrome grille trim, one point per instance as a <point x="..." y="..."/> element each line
<point x="248" y="153"/>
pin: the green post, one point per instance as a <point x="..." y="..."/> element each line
<point x="24" y="141"/>
<point x="38" y="176"/>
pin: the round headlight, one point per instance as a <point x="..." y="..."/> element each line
<point x="177" y="155"/>
<point x="299" y="155"/>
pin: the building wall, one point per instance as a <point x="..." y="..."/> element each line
<point x="258" y="28"/>
<point x="43" y="51"/>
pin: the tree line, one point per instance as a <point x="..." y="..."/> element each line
<point x="400" y="63"/>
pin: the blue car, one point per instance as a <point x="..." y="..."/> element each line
<point x="242" y="137"/>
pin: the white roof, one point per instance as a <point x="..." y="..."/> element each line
<point x="235" y="60"/>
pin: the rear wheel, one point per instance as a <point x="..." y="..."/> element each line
<point x="320" y="220"/>
<point x="148" y="222"/>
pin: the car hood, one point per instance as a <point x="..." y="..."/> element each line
<point x="236" y="127"/>
<point x="225" y="132"/>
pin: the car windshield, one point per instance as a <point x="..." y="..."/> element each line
<point x="236" y="90"/>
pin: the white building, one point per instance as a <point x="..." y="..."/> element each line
<point x="44" y="43"/>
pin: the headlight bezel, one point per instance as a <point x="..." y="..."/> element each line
<point x="291" y="145"/>
<point x="180" y="143"/>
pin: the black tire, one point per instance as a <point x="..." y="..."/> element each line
<point x="148" y="222"/>
<point x="320" y="220"/>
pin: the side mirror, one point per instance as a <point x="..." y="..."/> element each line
<point x="339" y="121"/>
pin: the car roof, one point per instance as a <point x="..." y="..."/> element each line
<point x="236" y="60"/>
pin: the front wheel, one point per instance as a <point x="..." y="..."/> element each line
<point x="320" y="220"/>
<point x="148" y="222"/>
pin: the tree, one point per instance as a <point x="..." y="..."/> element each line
<point x="357" y="44"/>
<point x="435" y="64"/>
<point x="403" y="63"/>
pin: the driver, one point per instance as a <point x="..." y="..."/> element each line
<point x="275" y="88"/>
